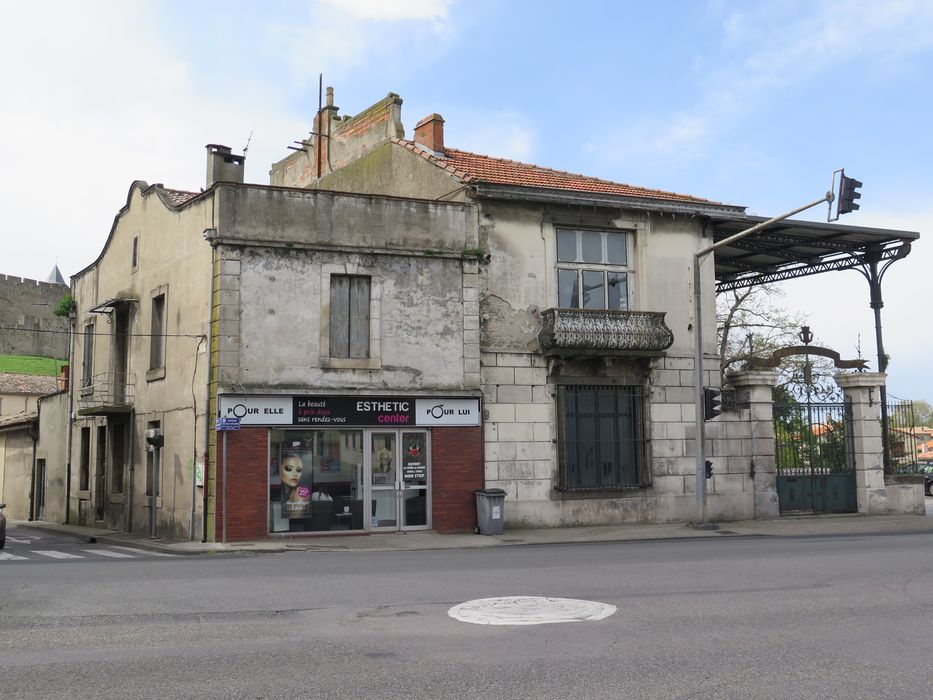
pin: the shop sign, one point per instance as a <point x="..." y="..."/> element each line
<point x="354" y="410"/>
<point x="257" y="410"/>
<point x="447" y="412"/>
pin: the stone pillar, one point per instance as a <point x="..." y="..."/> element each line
<point x="754" y="395"/>
<point x="861" y="389"/>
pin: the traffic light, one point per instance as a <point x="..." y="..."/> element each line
<point x="712" y="403"/>
<point x="848" y="193"/>
<point x="709" y="469"/>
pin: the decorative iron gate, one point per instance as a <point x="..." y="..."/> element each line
<point x="814" y="456"/>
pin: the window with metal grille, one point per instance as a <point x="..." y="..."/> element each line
<point x="592" y="269"/>
<point x="602" y="437"/>
<point x="349" y="316"/>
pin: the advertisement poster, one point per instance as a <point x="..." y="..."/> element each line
<point x="414" y="461"/>
<point x="296" y="493"/>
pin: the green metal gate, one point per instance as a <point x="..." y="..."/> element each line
<point x="814" y="456"/>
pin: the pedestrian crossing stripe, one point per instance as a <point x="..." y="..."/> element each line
<point x="6" y="556"/>
<point x="109" y="553"/>
<point x="55" y="554"/>
<point x="147" y="552"/>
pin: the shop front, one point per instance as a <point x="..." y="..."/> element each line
<point x="364" y="464"/>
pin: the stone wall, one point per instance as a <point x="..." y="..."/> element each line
<point x="27" y="324"/>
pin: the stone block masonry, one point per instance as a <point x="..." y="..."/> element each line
<point x="29" y="326"/>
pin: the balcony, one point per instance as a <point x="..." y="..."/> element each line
<point x="107" y="394"/>
<point x="589" y="332"/>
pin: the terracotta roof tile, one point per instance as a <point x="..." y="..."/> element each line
<point x="473" y="167"/>
<point x="179" y="197"/>
<point x="27" y="384"/>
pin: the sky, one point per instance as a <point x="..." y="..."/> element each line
<point x="747" y="103"/>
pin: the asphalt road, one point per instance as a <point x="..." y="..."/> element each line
<point x="730" y="617"/>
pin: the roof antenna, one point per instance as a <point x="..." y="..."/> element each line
<point x="246" y="147"/>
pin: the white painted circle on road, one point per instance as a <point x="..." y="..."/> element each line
<point x="529" y="610"/>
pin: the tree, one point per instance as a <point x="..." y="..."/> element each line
<point x="923" y="414"/>
<point x="751" y="324"/>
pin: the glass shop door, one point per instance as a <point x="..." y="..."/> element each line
<point x="398" y="476"/>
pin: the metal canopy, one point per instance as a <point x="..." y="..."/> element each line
<point x="792" y="248"/>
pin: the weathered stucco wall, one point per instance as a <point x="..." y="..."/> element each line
<point x="173" y="259"/>
<point x="53" y="448"/>
<point x="417" y="325"/>
<point x="16" y="472"/>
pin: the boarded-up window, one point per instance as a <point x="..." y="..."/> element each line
<point x="157" y="334"/>
<point x="349" y="316"/>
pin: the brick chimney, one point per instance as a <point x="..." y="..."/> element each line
<point x="429" y="132"/>
<point x="223" y="165"/>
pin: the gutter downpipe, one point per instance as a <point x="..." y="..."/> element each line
<point x="698" y="258"/>
<point x="72" y="317"/>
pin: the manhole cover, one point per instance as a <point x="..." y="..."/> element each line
<point x="529" y="610"/>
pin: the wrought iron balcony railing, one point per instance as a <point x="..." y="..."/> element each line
<point x="600" y="332"/>
<point x="111" y="392"/>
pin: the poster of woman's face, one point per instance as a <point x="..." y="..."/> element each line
<point x="296" y="496"/>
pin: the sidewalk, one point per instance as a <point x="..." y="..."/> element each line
<point x="791" y="526"/>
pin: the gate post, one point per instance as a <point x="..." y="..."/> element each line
<point x="754" y="394"/>
<point x="861" y="389"/>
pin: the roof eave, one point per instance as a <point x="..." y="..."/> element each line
<point x="486" y="190"/>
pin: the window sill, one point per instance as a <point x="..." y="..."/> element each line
<point x="87" y="391"/>
<point x="348" y="363"/>
<point x="155" y="374"/>
<point x="569" y="494"/>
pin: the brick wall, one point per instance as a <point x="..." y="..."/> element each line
<point x="248" y="485"/>
<point x="457" y="469"/>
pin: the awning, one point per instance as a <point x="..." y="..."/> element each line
<point x="792" y="248"/>
<point x="108" y="306"/>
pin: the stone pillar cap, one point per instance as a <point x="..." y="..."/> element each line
<point x="752" y="377"/>
<point x="852" y="380"/>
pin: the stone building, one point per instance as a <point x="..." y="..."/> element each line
<point x="330" y="329"/>
<point x="586" y="317"/>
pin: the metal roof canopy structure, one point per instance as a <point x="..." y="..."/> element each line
<point x="791" y="248"/>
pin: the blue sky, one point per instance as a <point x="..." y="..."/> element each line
<point x="750" y="103"/>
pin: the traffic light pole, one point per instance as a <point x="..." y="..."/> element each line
<point x="698" y="258"/>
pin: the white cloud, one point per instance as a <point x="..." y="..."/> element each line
<point x="392" y="10"/>
<point x="498" y="134"/>
<point x="763" y="55"/>
<point x="115" y="102"/>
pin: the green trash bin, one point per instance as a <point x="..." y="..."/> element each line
<point x="490" y="511"/>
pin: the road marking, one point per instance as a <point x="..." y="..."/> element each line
<point x="149" y="552"/>
<point x="109" y="553"/>
<point x="22" y="540"/>
<point x="56" y="554"/>
<point x="6" y="556"/>
<point x="529" y="610"/>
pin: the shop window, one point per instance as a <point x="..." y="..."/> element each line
<point x="592" y="269"/>
<point x="316" y="480"/>
<point x="349" y="316"/>
<point x="602" y="438"/>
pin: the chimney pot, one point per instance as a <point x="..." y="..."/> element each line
<point x="223" y="165"/>
<point x="429" y="132"/>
